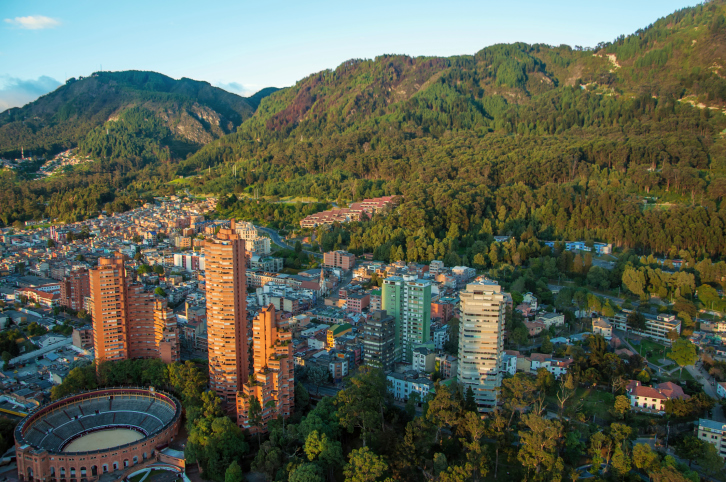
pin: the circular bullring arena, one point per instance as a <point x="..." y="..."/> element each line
<point x="82" y="437"/>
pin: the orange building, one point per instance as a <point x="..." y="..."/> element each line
<point x="74" y="289"/>
<point x="226" y="290"/>
<point x="108" y="290"/>
<point x="129" y="322"/>
<point x="273" y="382"/>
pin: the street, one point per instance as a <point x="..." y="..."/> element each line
<point x="278" y="241"/>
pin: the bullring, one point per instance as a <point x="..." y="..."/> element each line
<point x="125" y="426"/>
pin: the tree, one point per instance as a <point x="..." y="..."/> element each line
<point x="547" y="346"/>
<point x="361" y="403"/>
<point x="158" y="269"/>
<point x="710" y="460"/>
<point x="683" y="352"/>
<point x="364" y="466"/>
<point x="51" y="243"/>
<point x="302" y="397"/>
<point x="644" y="458"/>
<point x="565" y="390"/>
<point x="412" y="403"/>
<point x="470" y="401"/>
<point x="520" y="335"/>
<point x="298" y="247"/>
<point x="621" y="407"/>
<point x="690" y="448"/>
<point x="160" y="292"/>
<point x="328" y="453"/>
<point x="538" y="450"/>
<point x="255" y="416"/>
<point x="234" y="473"/>
<point x="635" y="320"/>
<point x="318" y="375"/>
<point x="307" y="473"/>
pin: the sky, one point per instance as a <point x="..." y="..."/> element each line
<point x="245" y="46"/>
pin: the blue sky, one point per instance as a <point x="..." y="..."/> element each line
<point x="245" y="46"/>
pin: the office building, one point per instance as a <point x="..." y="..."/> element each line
<point x="273" y="382"/>
<point x="379" y="340"/>
<point x="408" y="300"/>
<point x="481" y="342"/>
<point x="226" y="314"/>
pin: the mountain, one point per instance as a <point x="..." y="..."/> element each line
<point x="612" y="143"/>
<point x="623" y="143"/>
<point x="194" y="112"/>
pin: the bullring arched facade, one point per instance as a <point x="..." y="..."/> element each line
<point x="41" y="436"/>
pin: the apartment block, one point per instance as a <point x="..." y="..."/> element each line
<point x="481" y="341"/>
<point x="273" y="382"/>
<point x="126" y="318"/>
<point x="226" y="313"/>
<point x="74" y="288"/>
<point x="656" y="328"/>
<point x="339" y="259"/>
<point x="408" y="300"/>
<point x="379" y="342"/>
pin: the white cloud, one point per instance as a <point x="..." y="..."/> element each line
<point x="16" y="92"/>
<point x="33" y="22"/>
<point x="236" y="88"/>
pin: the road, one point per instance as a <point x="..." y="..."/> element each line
<point x="325" y="390"/>
<point x="278" y="241"/>
<point x="706" y="380"/>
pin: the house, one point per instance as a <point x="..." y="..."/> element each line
<point x="653" y="398"/>
<point x="402" y="386"/>
<point x="721" y="389"/>
<point x="534" y="327"/>
<point x="531" y="300"/>
<point x="601" y="326"/>
<point x="552" y="319"/>
<point x="509" y="363"/>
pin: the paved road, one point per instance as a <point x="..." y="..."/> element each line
<point x="705" y="380"/>
<point x="278" y="241"/>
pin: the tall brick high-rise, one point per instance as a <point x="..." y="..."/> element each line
<point x="108" y="296"/>
<point x="273" y="382"/>
<point x="226" y="290"/>
<point x="74" y="289"/>
<point x="129" y="322"/>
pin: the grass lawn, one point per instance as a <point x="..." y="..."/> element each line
<point x="657" y="350"/>
<point x="588" y="401"/>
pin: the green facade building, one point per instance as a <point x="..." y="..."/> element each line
<point x="408" y="300"/>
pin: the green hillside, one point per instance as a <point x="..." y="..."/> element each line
<point x="623" y="143"/>
<point x="193" y="111"/>
<point x="524" y="140"/>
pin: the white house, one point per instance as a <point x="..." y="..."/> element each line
<point x="402" y="387"/>
<point x="509" y="364"/>
<point x="721" y="389"/>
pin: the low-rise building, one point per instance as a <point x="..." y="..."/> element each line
<point x="336" y="331"/>
<point x="402" y="386"/>
<point x="714" y="433"/>
<point x="601" y="326"/>
<point x="339" y="259"/>
<point x="447" y="366"/>
<point x="656" y="328"/>
<point x="423" y="359"/>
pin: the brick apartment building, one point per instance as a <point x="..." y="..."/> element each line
<point x="339" y="259"/>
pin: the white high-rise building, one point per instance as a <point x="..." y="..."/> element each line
<point x="481" y="342"/>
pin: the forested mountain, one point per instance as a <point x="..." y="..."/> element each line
<point x="136" y="125"/>
<point x="624" y="142"/>
<point x="193" y="112"/>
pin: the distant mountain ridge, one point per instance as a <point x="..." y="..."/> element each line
<point x="194" y="111"/>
